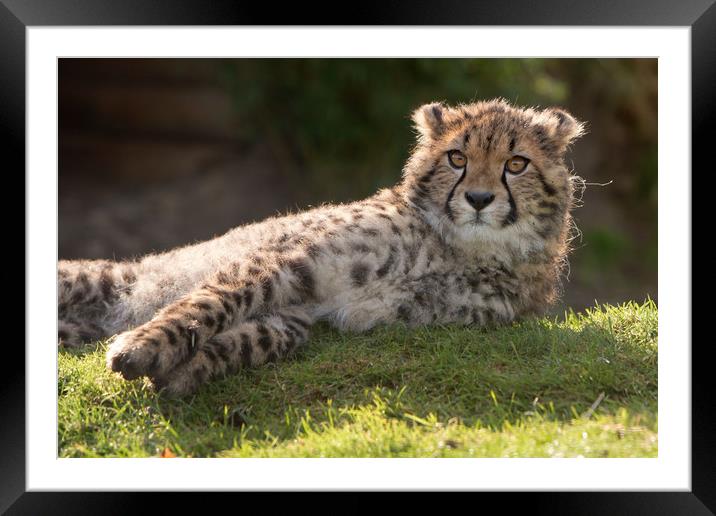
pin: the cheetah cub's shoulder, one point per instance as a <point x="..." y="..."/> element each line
<point x="475" y="232"/>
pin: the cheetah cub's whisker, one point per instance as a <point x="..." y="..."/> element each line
<point x="475" y="232"/>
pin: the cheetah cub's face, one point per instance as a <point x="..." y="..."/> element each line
<point x="489" y="172"/>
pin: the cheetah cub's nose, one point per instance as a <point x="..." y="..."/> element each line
<point x="479" y="200"/>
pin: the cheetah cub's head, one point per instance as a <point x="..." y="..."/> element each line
<point x="491" y="173"/>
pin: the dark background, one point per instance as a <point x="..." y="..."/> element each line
<point x="155" y="153"/>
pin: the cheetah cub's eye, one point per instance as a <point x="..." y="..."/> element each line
<point x="457" y="159"/>
<point x="516" y="164"/>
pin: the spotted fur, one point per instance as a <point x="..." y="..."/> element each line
<point x="417" y="253"/>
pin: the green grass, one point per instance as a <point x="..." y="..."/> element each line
<point x="518" y="391"/>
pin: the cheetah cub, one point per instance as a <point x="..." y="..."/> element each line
<point x="475" y="232"/>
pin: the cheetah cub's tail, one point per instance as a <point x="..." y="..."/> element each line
<point x="86" y="289"/>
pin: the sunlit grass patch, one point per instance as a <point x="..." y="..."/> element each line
<point x="579" y="385"/>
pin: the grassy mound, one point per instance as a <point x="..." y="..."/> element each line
<point x="581" y="385"/>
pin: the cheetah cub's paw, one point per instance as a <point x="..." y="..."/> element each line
<point x="132" y="356"/>
<point x="68" y="336"/>
<point x="71" y="334"/>
<point x="176" y="385"/>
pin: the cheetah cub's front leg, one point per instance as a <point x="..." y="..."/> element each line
<point x="179" y="330"/>
<point x="198" y="322"/>
<point x="257" y="341"/>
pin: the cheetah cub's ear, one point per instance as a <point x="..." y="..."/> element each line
<point x="562" y="127"/>
<point x="431" y="120"/>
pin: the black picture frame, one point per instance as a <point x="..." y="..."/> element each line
<point x="17" y="15"/>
